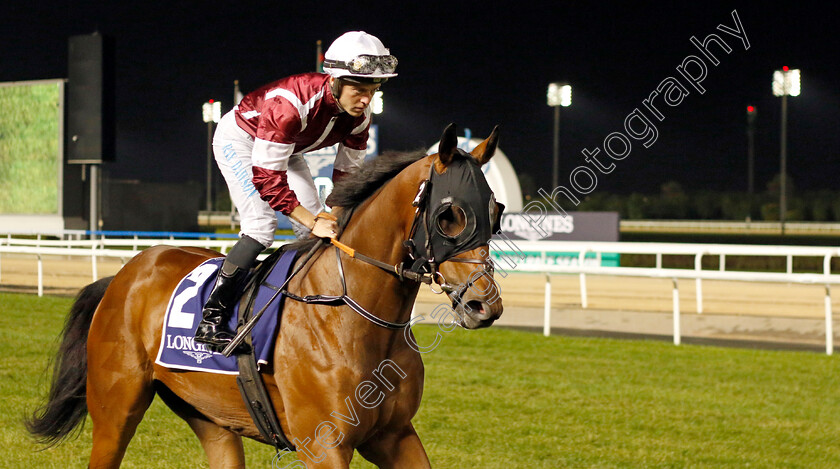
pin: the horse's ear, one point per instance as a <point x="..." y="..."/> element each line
<point x="448" y="146"/>
<point x="485" y="150"/>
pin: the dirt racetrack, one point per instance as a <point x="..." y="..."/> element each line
<point x="768" y="313"/>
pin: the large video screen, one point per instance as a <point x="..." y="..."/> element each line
<point x="30" y="147"/>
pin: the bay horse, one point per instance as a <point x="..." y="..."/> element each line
<point x="338" y="381"/>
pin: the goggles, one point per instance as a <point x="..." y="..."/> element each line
<point x="365" y="64"/>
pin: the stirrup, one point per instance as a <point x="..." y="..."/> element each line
<point x="214" y="343"/>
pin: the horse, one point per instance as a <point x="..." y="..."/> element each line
<point x="326" y="358"/>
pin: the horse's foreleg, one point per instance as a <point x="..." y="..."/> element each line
<point x="401" y="449"/>
<point x="223" y="448"/>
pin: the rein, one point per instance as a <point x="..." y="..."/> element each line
<point x="337" y="300"/>
<point x="396" y="269"/>
<point x="452" y="291"/>
<point x="424" y="269"/>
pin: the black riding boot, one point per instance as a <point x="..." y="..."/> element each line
<point x="213" y="330"/>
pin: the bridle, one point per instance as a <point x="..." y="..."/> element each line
<point x="423" y="262"/>
<point x="421" y="266"/>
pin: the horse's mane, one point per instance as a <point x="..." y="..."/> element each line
<point x="356" y="187"/>
<point x="359" y="185"/>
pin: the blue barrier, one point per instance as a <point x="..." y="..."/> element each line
<point x="176" y="234"/>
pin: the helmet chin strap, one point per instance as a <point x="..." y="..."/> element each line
<point x="336" y="84"/>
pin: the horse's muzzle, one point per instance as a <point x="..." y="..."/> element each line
<point x="476" y="315"/>
<point x="476" y="310"/>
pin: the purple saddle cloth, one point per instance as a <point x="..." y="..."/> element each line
<point x="178" y="348"/>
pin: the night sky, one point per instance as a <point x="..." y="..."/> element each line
<point x="476" y="64"/>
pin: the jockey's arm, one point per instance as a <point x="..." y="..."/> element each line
<point x="274" y="189"/>
<point x="269" y="177"/>
<point x="303" y="216"/>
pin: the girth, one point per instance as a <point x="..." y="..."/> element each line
<point x="250" y="382"/>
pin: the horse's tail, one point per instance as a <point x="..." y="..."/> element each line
<point x="66" y="406"/>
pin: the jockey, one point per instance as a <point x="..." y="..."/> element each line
<point x="259" y="148"/>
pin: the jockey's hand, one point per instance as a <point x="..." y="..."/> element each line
<point x="325" y="226"/>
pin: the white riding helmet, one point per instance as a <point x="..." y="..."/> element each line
<point x="359" y="55"/>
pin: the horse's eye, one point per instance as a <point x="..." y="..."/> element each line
<point x="452" y="221"/>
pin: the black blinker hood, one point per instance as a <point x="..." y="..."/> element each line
<point x="461" y="185"/>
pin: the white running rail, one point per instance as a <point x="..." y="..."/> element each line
<point x="525" y="256"/>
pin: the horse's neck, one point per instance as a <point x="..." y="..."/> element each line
<point x="377" y="229"/>
<point x="381" y="224"/>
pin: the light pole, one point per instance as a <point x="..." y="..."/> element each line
<point x="785" y="83"/>
<point x="211" y="112"/>
<point x="751" y="114"/>
<point x="559" y="94"/>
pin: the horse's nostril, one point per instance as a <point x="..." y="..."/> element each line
<point x="475" y="307"/>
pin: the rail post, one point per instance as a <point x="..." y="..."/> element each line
<point x="829" y="326"/>
<point x="584" y="298"/>
<point x="676" y="297"/>
<point x="94" y="268"/>
<point x="547" y="309"/>
<point x="698" y="283"/>
<point x="829" y="323"/>
<point x="40" y="276"/>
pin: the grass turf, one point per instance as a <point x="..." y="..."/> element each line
<point x="499" y="399"/>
